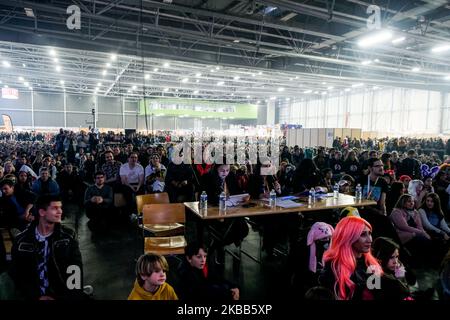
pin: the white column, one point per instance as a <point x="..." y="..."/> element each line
<point x="32" y="108"/>
<point x="123" y="113"/>
<point x="96" y="111"/>
<point x="270" y="119"/>
<point x="65" y="109"/>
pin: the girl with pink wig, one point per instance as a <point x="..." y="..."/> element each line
<point x="349" y="262"/>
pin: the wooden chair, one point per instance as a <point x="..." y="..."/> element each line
<point x="164" y="214"/>
<point x="159" y="230"/>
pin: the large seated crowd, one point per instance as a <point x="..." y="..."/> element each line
<point x="408" y="178"/>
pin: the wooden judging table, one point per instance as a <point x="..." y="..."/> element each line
<point x="260" y="208"/>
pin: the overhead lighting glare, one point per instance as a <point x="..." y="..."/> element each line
<point x="415" y="69"/>
<point x="232" y="94"/>
<point x="6" y="64"/>
<point x="198" y="74"/>
<point x="357" y="85"/>
<point x="398" y="40"/>
<point x="248" y="97"/>
<point x="21" y="79"/>
<point x="375" y="88"/>
<point x="220" y="83"/>
<point x="258" y="102"/>
<point x="253" y="75"/>
<point x="217" y="68"/>
<point x="26" y="84"/>
<point x="324" y="92"/>
<point x="58" y="68"/>
<point x="280" y="89"/>
<point x="296" y="77"/>
<point x="330" y="88"/>
<point x="196" y="92"/>
<point x="99" y="84"/>
<point x="29" y="12"/>
<point x="166" y="65"/>
<point x="447" y="78"/>
<point x="260" y="73"/>
<point x="212" y="70"/>
<point x="55" y="60"/>
<point x="155" y="70"/>
<point x="52" y="52"/>
<point x="104" y="73"/>
<point x="236" y="78"/>
<point x="307" y="91"/>
<point x="134" y="87"/>
<point x="24" y="65"/>
<point x="441" y="48"/>
<point x="288" y="99"/>
<point x="147" y="76"/>
<point x="185" y="80"/>
<point x="62" y="82"/>
<point x="376" y="38"/>
<point x="347" y="89"/>
<point x="316" y="92"/>
<point x="366" y="62"/>
<point x="108" y="65"/>
<point x="197" y="81"/>
<point x="273" y="98"/>
<point x="376" y="60"/>
<point x="113" y="57"/>
<point x="31" y="88"/>
<point x="236" y="41"/>
<point x="166" y="89"/>
<point x="324" y="83"/>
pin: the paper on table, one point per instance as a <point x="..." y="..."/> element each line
<point x="236" y="199"/>
<point x="288" y="204"/>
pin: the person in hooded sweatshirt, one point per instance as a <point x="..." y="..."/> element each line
<point x="150" y="284"/>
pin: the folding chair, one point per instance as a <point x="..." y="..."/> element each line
<point x="165" y="214"/>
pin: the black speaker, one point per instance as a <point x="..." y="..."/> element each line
<point x="129" y="132"/>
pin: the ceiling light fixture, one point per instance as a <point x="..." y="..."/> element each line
<point x="113" y="57"/>
<point x="52" y="52"/>
<point x="398" y="40"/>
<point x="236" y="78"/>
<point x="166" y="65"/>
<point x="6" y="64"/>
<point x="147" y="76"/>
<point x="104" y="73"/>
<point x="198" y="74"/>
<point x="441" y="48"/>
<point x="155" y="70"/>
<point x="375" y="38"/>
<point x="58" y="68"/>
<point x="280" y="89"/>
<point x="415" y="69"/>
<point x="220" y="83"/>
<point x="357" y="85"/>
<point x="185" y="80"/>
<point x="366" y="62"/>
<point x="307" y="91"/>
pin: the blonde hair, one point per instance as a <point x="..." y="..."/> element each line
<point x="149" y="263"/>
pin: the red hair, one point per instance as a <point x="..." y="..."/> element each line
<point x="342" y="256"/>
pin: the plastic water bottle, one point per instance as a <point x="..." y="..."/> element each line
<point x="222" y="202"/>
<point x="204" y="201"/>
<point x="312" y="196"/>
<point x="336" y="191"/>
<point x="273" y="199"/>
<point x="358" y="192"/>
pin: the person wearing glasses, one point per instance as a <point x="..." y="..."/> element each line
<point x="375" y="188"/>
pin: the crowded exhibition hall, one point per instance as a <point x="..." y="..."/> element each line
<point x="225" y="151"/>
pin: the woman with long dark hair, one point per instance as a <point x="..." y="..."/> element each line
<point x="433" y="219"/>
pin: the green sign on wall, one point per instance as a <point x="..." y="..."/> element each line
<point x="199" y="108"/>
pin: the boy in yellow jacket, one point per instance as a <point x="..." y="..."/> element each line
<point x="150" y="281"/>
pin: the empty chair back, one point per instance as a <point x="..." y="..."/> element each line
<point x="163" y="213"/>
<point x="152" y="198"/>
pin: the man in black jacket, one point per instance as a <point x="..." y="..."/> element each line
<point x="46" y="259"/>
<point x="411" y="166"/>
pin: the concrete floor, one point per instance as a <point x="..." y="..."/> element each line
<point x="109" y="261"/>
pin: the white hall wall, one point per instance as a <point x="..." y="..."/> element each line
<point x="395" y="111"/>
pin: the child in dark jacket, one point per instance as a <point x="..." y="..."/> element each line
<point x="197" y="284"/>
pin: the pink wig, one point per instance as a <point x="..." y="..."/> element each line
<point x="342" y="257"/>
